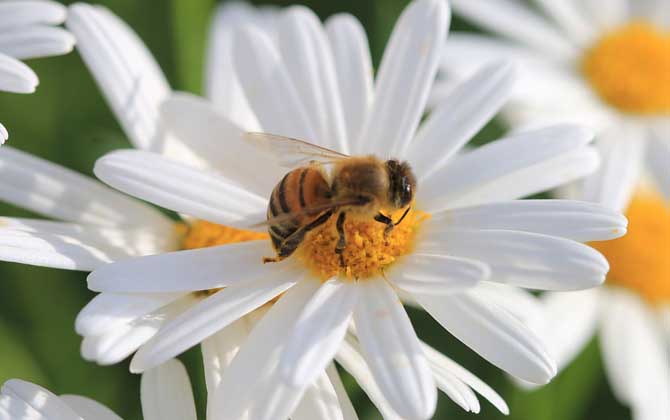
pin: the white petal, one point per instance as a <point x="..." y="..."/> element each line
<point x="521" y="303"/>
<point x="39" y="399"/>
<point x="252" y="383"/>
<point x="319" y="402"/>
<point x="516" y="21"/>
<point x="166" y="393"/>
<point x="203" y="194"/>
<point x="353" y="66"/>
<point x="212" y="138"/>
<point x="493" y="333"/>
<point x="56" y="192"/>
<point x="15" y="76"/>
<point x="351" y="360"/>
<point x="89" y="409"/>
<point x="577" y="220"/>
<point x="570" y="320"/>
<point x="438" y="360"/>
<point x="221" y="83"/>
<point x="568" y="16"/>
<point x="318" y="332"/>
<point x="184" y="271"/>
<point x="109" y="310"/>
<point x="658" y="156"/>
<point x="392" y="351"/>
<point x="309" y="61"/>
<point x="348" y="412"/>
<point x="607" y="18"/>
<point x="124" y="69"/>
<point x="4" y="135"/>
<point x="19" y="13"/>
<point x="510" y="168"/>
<point x="524" y="259"/>
<point x="438" y="274"/>
<point x="209" y="316"/>
<point x="461" y="114"/>
<point x="219" y="350"/>
<point x="268" y="87"/>
<point x="635" y="354"/>
<point x="622" y="153"/>
<point x="406" y="74"/>
<point x="36" y="41"/>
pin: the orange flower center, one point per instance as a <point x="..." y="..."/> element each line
<point x="630" y="69"/>
<point x="640" y="260"/>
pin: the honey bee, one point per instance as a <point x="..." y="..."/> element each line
<point x="308" y="196"/>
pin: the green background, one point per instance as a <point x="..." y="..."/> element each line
<point x="68" y="122"/>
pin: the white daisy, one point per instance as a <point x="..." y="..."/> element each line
<point x="296" y="80"/>
<point x="600" y="63"/>
<point x="165" y="393"/>
<point x="27" y="30"/>
<point x="613" y="74"/>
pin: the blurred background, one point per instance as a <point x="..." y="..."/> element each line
<point x="68" y="122"/>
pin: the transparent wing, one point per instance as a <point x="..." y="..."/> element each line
<point x="292" y="153"/>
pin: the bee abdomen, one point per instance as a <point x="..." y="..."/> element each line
<point x="300" y="189"/>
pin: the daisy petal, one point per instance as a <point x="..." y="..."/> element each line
<point x="170" y="184"/>
<point x="15" y="76"/>
<point x="109" y="310"/>
<point x="577" y="220"/>
<point x="568" y="16"/>
<point x="252" y="382"/>
<point x="614" y="182"/>
<point x="209" y="316"/>
<point x="348" y="412"/>
<point x="616" y="13"/>
<point x="268" y="87"/>
<point x="438" y="274"/>
<point x="515" y="21"/>
<point x="89" y="409"/>
<point x="392" y="351"/>
<point x="309" y="61"/>
<point x="166" y="393"/>
<point x="38" y="399"/>
<point x="405" y="76"/>
<point x="219" y="350"/>
<point x="20" y="13"/>
<point x="213" y="139"/>
<point x="124" y="69"/>
<point x="461" y="114"/>
<point x="493" y="333"/>
<point x="521" y="303"/>
<point x="57" y="192"/>
<point x="184" y="271"/>
<point x="318" y="332"/>
<point x="221" y="83"/>
<point x="520" y="165"/>
<point x="36" y="41"/>
<point x="319" y="402"/>
<point x="353" y="66"/>
<point x="438" y="360"/>
<point x="658" y="155"/>
<point x="4" y="135"/>
<point x="524" y="259"/>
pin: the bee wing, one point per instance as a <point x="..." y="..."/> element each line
<point x="313" y="210"/>
<point x="293" y="153"/>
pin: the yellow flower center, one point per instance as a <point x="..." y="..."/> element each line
<point x="203" y="234"/>
<point x="630" y="69"/>
<point x="368" y="249"/>
<point x="640" y="260"/>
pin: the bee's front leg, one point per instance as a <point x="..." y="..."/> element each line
<point x="387" y="221"/>
<point x="342" y="241"/>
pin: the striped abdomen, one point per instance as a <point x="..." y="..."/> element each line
<point x="300" y="189"/>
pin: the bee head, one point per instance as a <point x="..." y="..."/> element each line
<point x="402" y="183"/>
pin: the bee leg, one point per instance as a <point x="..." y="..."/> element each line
<point x="342" y="241"/>
<point x="387" y="221"/>
<point x="290" y="244"/>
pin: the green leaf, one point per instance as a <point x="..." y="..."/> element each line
<point x="190" y="20"/>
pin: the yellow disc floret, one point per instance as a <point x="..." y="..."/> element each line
<point x="630" y="69"/>
<point x="203" y="234"/>
<point x="368" y="249"/>
<point x="640" y="261"/>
